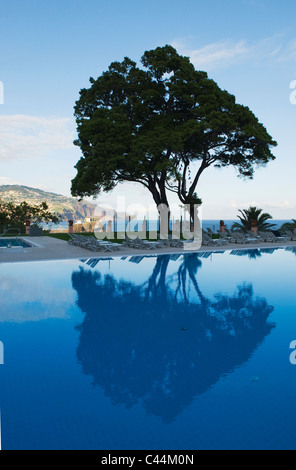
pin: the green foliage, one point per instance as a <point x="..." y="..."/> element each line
<point x="288" y="226"/>
<point x="253" y="215"/>
<point x="162" y="125"/>
<point x="15" y="215"/>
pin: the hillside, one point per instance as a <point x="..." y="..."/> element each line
<point x="65" y="207"/>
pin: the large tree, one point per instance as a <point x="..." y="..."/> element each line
<point x="161" y="125"/>
<point x="15" y="215"/>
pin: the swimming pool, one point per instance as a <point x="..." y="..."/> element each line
<point x="150" y="352"/>
<point x="14" y="242"/>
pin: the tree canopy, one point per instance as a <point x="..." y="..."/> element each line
<point x="289" y="225"/>
<point x="161" y="125"/>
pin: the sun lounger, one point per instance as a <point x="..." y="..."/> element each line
<point x="209" y="241"/>
<point x="138" y="243"/>
<point x="104" y="244"/>
<point x="176" y="242"/>
<point x="258" y="237"/>
<point x="240" y="237"/>
<point x="227" y="236"/>
<point x="79" y="240"/>
<point x="290" y="235"/>
<point x="91" y="243"/>
<point x="273" y="237"/>
<point x="280" y="236"/>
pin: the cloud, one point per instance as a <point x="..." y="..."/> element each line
<point x="215" y="54"/>
<point x="228" y="52"/>
<point x="265" y="205"/>
<point x="39" y="299"/>
<point x="287" y="52"/>
<point x="280" y="205"/>
<point x="23" y="136"/>
<point x="5" y="180"/>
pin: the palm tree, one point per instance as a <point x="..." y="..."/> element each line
<point x="289" y="225"/>
<point x="253" y="217"/>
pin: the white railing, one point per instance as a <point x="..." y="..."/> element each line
<point x="11" y="228"/>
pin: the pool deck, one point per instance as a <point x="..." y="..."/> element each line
<point x="49" y="248"/>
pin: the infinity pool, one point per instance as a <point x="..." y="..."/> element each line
<point x="12" y="242"/>
<point x="158" y="352"/>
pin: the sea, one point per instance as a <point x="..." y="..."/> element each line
<point x="212" y="224"/>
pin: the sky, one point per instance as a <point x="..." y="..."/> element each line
<point x="49" y="50"/>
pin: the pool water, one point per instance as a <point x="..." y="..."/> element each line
<point x="157" y="352"/>
<point x="12" y="242"/>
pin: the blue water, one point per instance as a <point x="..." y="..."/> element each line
<point x="136" y="225"/>
<point x="5" y="242"/>
<point x="156" y="352"/>
<point x="215" y="224"/>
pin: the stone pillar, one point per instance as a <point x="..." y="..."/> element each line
<point x="109" y="228"/>
<point x="176" y="232"/>
<point x="222" y="226"/>
<point x="114" y="223"/>
<point x="70" y="228"/>
<point x="28" y="223"/>
<point x="144" y="225"/>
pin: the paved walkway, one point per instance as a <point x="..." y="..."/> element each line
<point x="49" y="248"/>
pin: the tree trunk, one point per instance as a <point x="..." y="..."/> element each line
<point x="163" y="208"/>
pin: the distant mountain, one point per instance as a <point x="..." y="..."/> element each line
<point x="65" y="207"/>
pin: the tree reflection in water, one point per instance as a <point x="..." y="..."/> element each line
<point x="292" y="249"/>
<point x="163" y="342"/>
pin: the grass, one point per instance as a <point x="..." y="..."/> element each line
<point x="66" y="236"/>
<point x="13" y="235"/>
<point x="60" y="236"/>
<point x="215" y="236"/>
